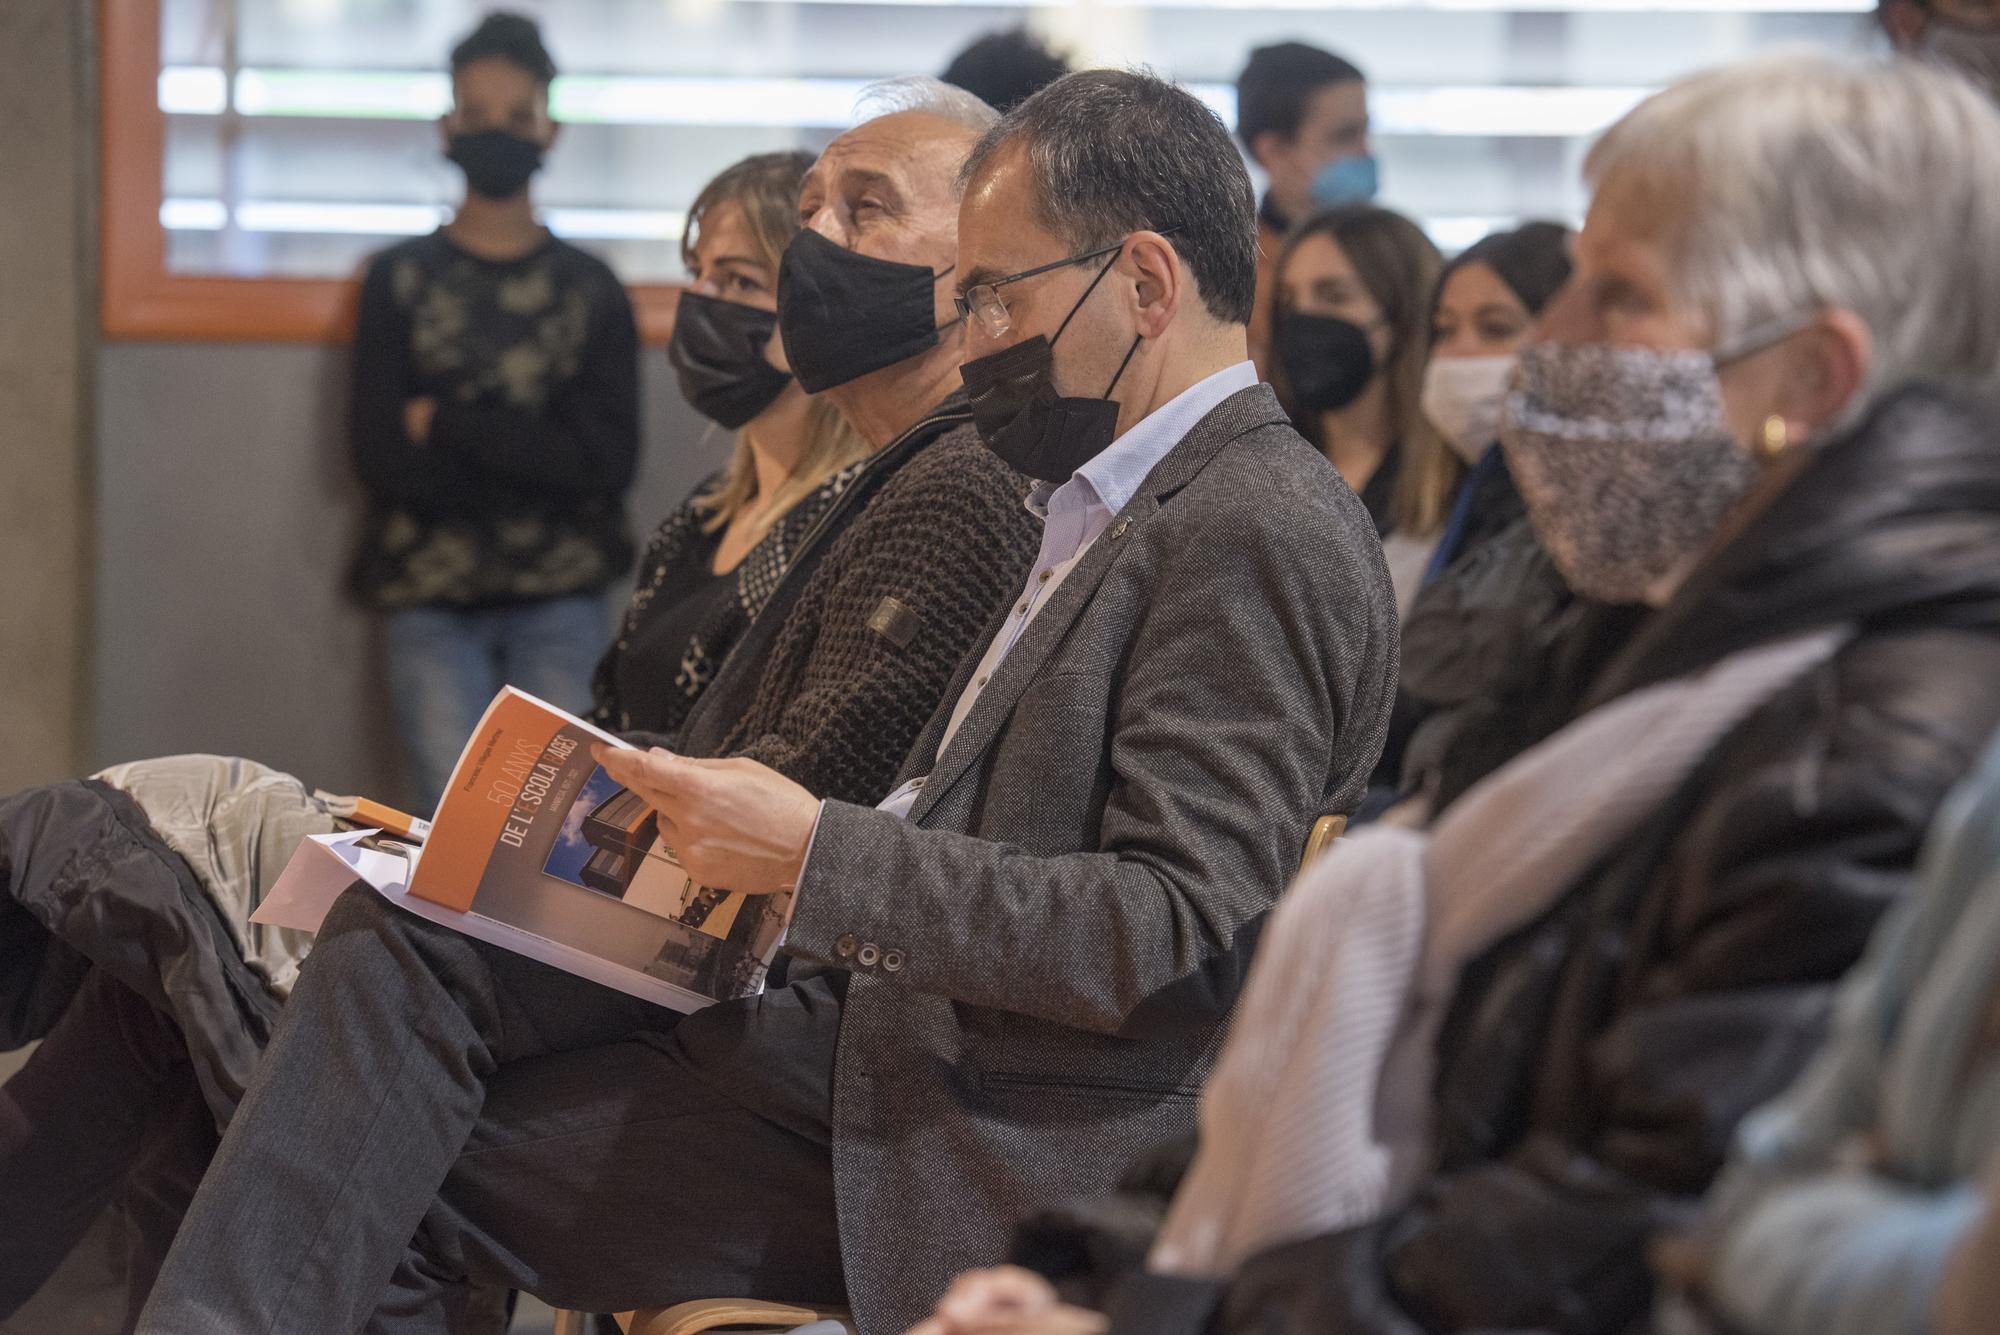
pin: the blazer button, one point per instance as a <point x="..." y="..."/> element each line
<point x="1118" y="529"/>
<point x="892" y="961"/>
<point x="870" y="956"/>
<point x="845" y="947"/>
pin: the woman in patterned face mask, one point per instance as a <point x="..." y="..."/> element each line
<point x="1716" y="329"/>
<point x="1759" y="406"/>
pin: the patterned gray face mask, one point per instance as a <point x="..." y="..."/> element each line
<point x="1625" y="460"/>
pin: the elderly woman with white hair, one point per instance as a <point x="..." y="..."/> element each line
<point x="1481" y="1065"/>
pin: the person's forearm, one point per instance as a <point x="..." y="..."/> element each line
<point x="1081" y="939"/>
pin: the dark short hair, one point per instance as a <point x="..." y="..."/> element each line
<point x="1005" y="69"/>
<point x="514" y="38"/>
<point x="1111" y="152"/>
<point x="1272" y="91"/>
<point x="1532" y="260"/>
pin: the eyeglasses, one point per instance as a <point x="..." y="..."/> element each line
<point x="983" y="302"/>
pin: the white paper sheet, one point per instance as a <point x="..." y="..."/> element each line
<point x="326" y="865"/>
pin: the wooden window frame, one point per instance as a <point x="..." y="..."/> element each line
<point x="141" y="298"/>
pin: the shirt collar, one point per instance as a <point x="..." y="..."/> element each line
<point x="1113" y="477"/>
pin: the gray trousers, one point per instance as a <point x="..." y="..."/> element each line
<point x="433" y="1111"/>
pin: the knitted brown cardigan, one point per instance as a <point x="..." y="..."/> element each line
<point x="854" y="677"/>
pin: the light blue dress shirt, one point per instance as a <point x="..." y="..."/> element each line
<point x="1074" y="514"/>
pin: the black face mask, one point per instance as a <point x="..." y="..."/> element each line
<point x="496" y="164"/>
<point x="718" y="352"/>
<point x="845" y="314"/>
<point x="1328" y="361"/>
<point x="1041" y="433"/>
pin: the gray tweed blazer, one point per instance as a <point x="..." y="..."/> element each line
<point x="1042" y="956"/>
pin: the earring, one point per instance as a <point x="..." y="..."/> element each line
<point x="1775" y="437"/>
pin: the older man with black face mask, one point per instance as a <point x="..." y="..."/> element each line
<point x="521" y="1122"/>
<point x="1037" y="938"/>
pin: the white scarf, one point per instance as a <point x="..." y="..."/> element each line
<point x="1317" y="1117"/>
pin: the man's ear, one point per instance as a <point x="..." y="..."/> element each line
<point x="1160" y="281"/>
<point x="1265" y="145"/>
<point x="1902" y="21"/>
<point x="555" y="132"/>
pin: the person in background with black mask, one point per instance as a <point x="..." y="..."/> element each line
<point x="1302" y="115"/>
<point x="1355" y="287"/>
<point x="867" y="615"/>
<point x="1005" y="69"/>
<point x="1958" y="35"/>
<point x="494" y="418"/>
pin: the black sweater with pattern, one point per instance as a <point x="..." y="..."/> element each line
<point x="518" y="494"/>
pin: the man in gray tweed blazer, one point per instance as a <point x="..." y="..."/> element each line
<point x="1012" y="975"/>
<point x="1038" y="930"/>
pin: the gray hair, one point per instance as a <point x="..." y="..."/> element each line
<point x="1802" y="182"/>
<point x="1112" y="152"/>
<point x="926" y="96"/>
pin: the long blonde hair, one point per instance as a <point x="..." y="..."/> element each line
<point x="1400" y="267"/>
<point x="766" y="187"/>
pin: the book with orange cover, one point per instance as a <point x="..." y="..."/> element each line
<point x="533" y="834"/>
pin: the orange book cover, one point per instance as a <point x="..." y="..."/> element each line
<point x="532" y="832"/>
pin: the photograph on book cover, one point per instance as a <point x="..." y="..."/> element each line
<point x="534" y="834"/>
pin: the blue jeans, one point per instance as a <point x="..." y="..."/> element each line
<point x="447" y="664"/>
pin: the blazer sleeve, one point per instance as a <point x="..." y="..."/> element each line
<point x="952" y="548"/>
<point x="1776" y="884"/>
<point x="1260" y="626"/>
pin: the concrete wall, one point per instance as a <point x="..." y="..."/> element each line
<point x="225" y="517"/>
<point x="45" y="296"/>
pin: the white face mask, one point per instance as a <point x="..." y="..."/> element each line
<point x="1463" y="397"/>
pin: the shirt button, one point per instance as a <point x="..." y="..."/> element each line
<point x="1022" y="610"/>
<point x="892" y="961"/>
<point x="845" y="947"/>
<point x="979" y="685"/>
<point x="870" y="956"/>
<point x="1045" y="575"/>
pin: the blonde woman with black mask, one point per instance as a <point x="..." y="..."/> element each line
<point x="712" y="562"/>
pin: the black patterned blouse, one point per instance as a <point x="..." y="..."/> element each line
<point x="651" y="675"/>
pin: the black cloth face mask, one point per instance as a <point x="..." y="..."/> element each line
<point x="845" y="314"/>
<point x="717" y="350"/>
<point x="496" y="164"/>
<point x="1328" y="361"/>
<point x="1038" y="432"/>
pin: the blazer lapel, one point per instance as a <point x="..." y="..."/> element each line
<point x="1236" y="416"/>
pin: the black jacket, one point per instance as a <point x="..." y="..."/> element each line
<point x="85" y="882"/>
<point x="1595" y="1065"/>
